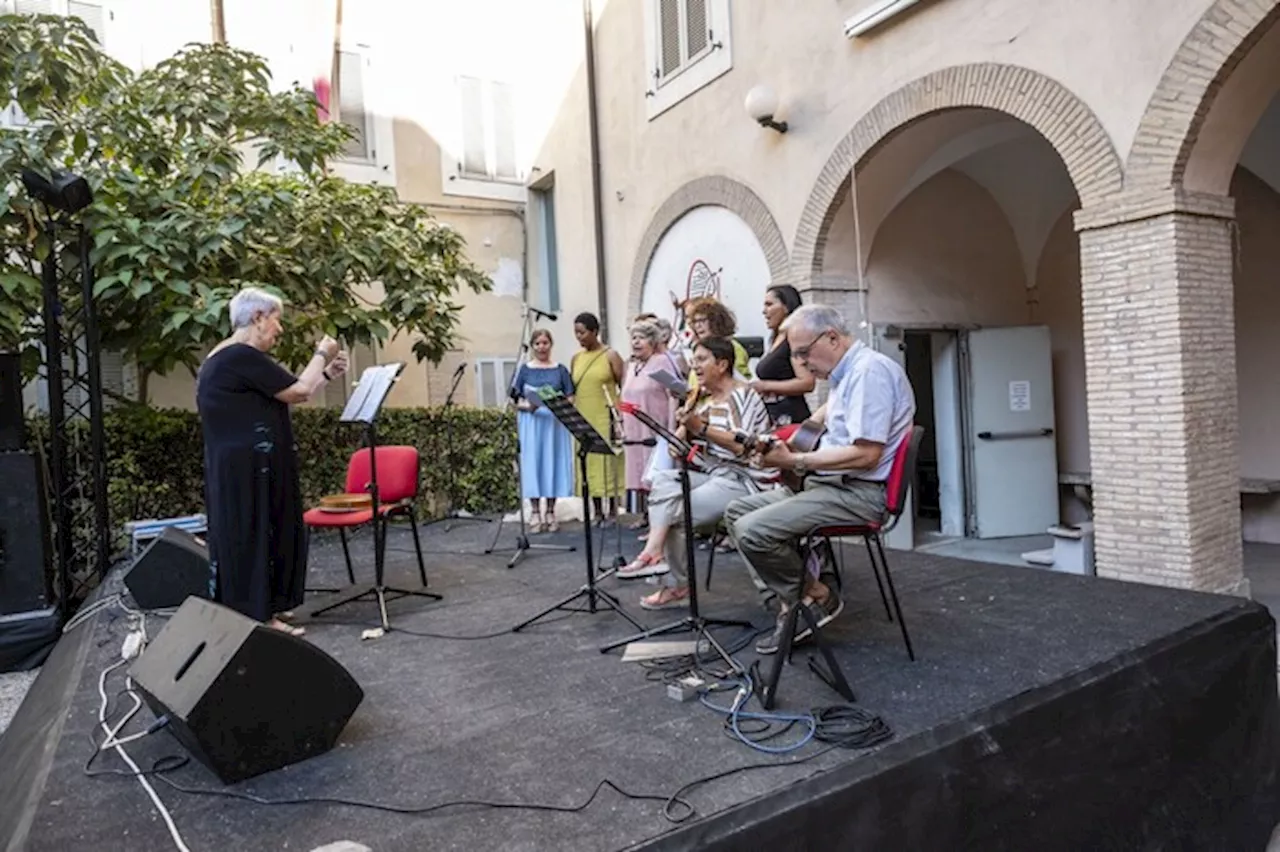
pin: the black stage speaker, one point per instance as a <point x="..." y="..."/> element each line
<point x="13" y="430"/>
<point x="174" y="567"/>
<point x="753" y="345"/>
<point x="26" y="567"/>
<point x="243" y="698"/>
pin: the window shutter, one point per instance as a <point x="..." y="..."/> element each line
<point x="696" y="26"/>
<point x="474" y="160"/>
<point x="668" y="37"/>
<point x="33" y="7"/>
<point x="94" y="16"/>
<point x="504" y="132"/>
<point x="351" y="108"/>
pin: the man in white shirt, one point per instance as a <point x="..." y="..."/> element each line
<point x="868" y="414"/>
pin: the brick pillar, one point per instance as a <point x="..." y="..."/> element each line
<point x="1160" y="359"/>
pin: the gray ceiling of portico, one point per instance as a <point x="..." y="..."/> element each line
<point x="1027" y="179"/>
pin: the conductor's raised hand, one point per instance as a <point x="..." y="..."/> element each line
<point x="338" y="365"/>
<point x="328" y="347"/>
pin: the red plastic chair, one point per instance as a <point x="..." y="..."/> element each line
<point x="901" y="476"/>
<point x="398" y="489"/>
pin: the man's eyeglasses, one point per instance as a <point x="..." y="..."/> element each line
<point x="803" y="351"/>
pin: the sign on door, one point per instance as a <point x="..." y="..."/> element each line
<point x="1020" y="396"/>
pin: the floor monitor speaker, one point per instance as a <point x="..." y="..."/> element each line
<point x="174" y="567"/>
<point x="242" y="697"/>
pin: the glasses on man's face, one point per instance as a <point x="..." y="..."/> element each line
<point x="802" y="352"/>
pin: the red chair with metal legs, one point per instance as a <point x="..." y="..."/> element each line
<point x="897" y="487"/>
<point x="398" y="489"/>
<point x="901" y="476"/>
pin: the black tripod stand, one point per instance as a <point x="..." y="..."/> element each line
<point x="589" y="442"/>
<point x="694" y="621"/>
<point x="451" y="484"/>
<point x="363" y="407"/>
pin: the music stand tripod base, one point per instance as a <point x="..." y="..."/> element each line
<point x="589" y="442"/>
<point x="362" y="408"/>
<point x="694" y="622"/>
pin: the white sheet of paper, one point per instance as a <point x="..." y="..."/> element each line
<point x="675" y="384"/>
<point x="531" y="394"/>
<point x="651" y="649"/>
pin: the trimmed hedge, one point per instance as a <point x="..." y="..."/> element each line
<point x="155" y="457"/>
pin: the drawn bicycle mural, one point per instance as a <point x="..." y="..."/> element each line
<point x="701" y="282"/>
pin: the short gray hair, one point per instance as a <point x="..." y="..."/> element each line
<point x="816" y="319"/>
<point x="664" y="329"/>
<point x="648" y="330"/>
<point x="249" y="303"/>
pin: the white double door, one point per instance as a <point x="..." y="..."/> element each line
<point x="994" y="432"/>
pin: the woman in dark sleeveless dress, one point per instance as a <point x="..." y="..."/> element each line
<point x="781" y="381"/>
<point x="257" y="540"/>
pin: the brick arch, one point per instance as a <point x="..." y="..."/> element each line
<point x="709" y="191"/>
<point x="1044" y="104"/>
<point x="1214" y="48"/>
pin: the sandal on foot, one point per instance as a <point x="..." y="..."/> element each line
<point x="643" y="565"/>
<point x="666" y="598"/>
<point x="277" y="624"/>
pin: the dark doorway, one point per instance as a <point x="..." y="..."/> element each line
<point x="918" y="349"/>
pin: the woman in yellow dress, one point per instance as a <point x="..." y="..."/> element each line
<point x="597" y="371"/>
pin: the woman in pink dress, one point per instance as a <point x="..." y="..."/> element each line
<point x="641" y="389"/>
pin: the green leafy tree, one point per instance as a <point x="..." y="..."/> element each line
<point x="205" y="181"/>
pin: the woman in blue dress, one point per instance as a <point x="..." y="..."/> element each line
<point x="546" y="447"/>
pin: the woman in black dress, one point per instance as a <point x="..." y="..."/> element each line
<point x="781" y="381"/>
<point x="257" y="540"/>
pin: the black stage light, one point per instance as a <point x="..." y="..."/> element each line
<point x="67" y="192"/>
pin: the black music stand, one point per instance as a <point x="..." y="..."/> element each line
<point x="362" y="408"/>
<point x="589" y="442"/>
<point x="694" y="621"/>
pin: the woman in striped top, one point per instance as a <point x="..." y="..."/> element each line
<point x="726" y="407"/>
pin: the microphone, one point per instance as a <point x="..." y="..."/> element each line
<point x="647" y="442"/>
<point x="461" y="368"/>
<point x="544" y="314"/>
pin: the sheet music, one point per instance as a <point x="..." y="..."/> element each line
<point x="533" y="397"/>
<point x="370" y="392"/>
<point x="674" y="384"/>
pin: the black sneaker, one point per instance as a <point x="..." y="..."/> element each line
<point x="771" y="643"/>
<point x="823" y="613"/>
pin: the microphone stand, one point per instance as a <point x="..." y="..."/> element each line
<point x="522" y="539"/>
<point x="451" y="487"/>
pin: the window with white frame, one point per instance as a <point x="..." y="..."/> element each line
<point x="687" y="47"/>
<point x="542" y="204"/>
<point x="493" y="377"/>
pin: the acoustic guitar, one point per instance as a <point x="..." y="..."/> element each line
<point x="804" y="440"/>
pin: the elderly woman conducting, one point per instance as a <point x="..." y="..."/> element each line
<point x="257" y="540"/>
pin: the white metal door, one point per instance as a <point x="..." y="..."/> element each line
<point x="903" y="534"/>
<point x="1011" y="443"/>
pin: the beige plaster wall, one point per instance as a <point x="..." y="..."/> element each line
<point x="826" y="82"/>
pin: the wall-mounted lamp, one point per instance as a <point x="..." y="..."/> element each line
<point x="875" y="15"/>
<point x="762" y="105"/>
